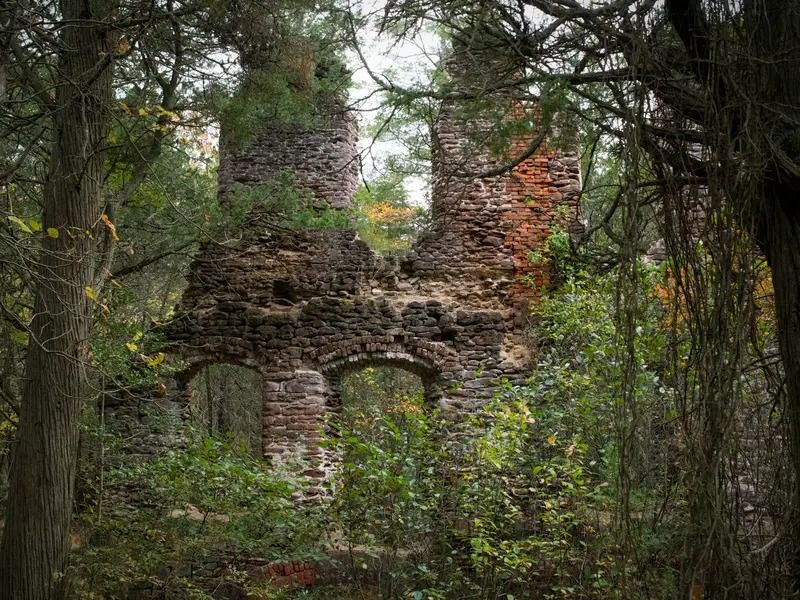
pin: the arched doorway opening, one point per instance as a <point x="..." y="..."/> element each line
<point x="226" y="400"/>
<point x="385" y="475"/>
<point x="386" y="368"/>
<point x="374" y="394"/>
<point x="379" y="397"/>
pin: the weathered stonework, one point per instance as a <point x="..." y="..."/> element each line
<point x="304" y="308"/>
<point x="326" y="162"/>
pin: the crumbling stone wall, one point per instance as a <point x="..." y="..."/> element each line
<point x="326" y="162"/>
<point x="486" y="227"/>
<point x="303" y="308"/>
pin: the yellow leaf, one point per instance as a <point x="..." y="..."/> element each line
<point x="163" y="112"/>
<point x="122" y="46"/>
<point x="107" y="222"/>
<point x="142" y="112"/>
<point x="52" y="232"/>
<point x="35" y="225"/>
<point x="90" y="293"/>
<point x="131" y="346"/>
<point x="159" y="358"/>
<point x="551" y="439"/>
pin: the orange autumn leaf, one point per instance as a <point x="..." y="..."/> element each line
<point x="383" y="212"/>
<point x="107" y="222"/>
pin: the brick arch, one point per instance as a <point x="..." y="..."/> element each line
<point x="196" y="364"/>
<point x="421" y="366"/>
<point x="426" y="358"/>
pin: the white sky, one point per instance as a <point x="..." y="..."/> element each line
<point x="406" y="63"/>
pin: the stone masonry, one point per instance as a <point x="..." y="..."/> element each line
<point x="304" y="308"/>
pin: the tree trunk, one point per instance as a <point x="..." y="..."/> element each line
<point x="777" y="79"/>
<point x="34" y="549"/>
<point x="781" y="233"/>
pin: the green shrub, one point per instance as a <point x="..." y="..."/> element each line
<point x="172" y="514"/>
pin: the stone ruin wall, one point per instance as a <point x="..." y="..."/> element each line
<point x="304" y="308"/>
<point x="325" y="161"/>
<point x="487" y="227"/>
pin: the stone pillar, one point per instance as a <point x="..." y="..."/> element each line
<point x="295" y="405"/>
<point x="323" y="159"/>
<point x="460" y="395"/>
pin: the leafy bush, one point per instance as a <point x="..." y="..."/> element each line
<point x="520" y="502"/>
<point x="386" y="219"/>
<point x="200" y="506"/>
<point x="281" y="203"/>
<point x="504" y="509"/>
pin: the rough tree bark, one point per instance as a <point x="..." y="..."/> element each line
<point x="759" y="91"/>
<point x="775" y="27"/>
<point x="781" y="243"/>
<point x="35" y="542"/>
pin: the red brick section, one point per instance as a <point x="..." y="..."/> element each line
<point x="291" y="574"/>
<point x="542" y="193"/>
<point x="531" y="214"/>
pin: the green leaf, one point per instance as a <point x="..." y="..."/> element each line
<point x="19" y="337"/>
<point x="20" y="223"/>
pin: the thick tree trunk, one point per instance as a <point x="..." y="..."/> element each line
<point x="758" y="88"/>
<point x="35" y="543"/>
<point x="776" y="77"/>
<point x="781" y="241"/>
